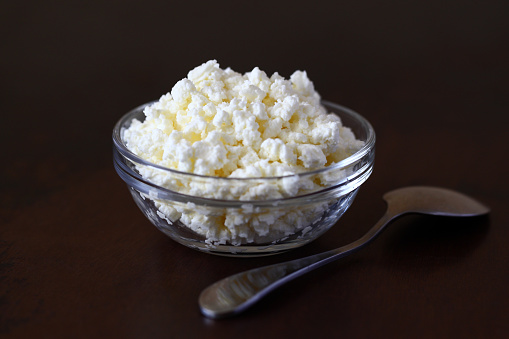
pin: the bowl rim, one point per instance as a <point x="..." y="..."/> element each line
<point x="363" y="151"/>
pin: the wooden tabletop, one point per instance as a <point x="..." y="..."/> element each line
<point x="79" y="260"/>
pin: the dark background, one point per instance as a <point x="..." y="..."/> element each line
<point x="77" y="259"/>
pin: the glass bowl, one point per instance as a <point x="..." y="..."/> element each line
<point x="208" y="214"/>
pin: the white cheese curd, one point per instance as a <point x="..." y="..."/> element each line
<point x="220" y="123"/>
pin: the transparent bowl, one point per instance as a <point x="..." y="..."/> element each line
<point x="208" y="213"/>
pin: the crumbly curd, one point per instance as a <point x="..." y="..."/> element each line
<point x="220" y="123"/>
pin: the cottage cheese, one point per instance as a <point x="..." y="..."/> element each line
<point x="220" y="123"/>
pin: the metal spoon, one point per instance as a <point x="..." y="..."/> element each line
<point x="238" y="292"/>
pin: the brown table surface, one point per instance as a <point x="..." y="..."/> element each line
<point x="78" y="259"/>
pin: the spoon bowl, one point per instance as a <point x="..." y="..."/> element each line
<point x="432" y="201"/>
<point x="236" y="293"/>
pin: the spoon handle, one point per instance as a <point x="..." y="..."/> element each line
<point x="238" y="292"/>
